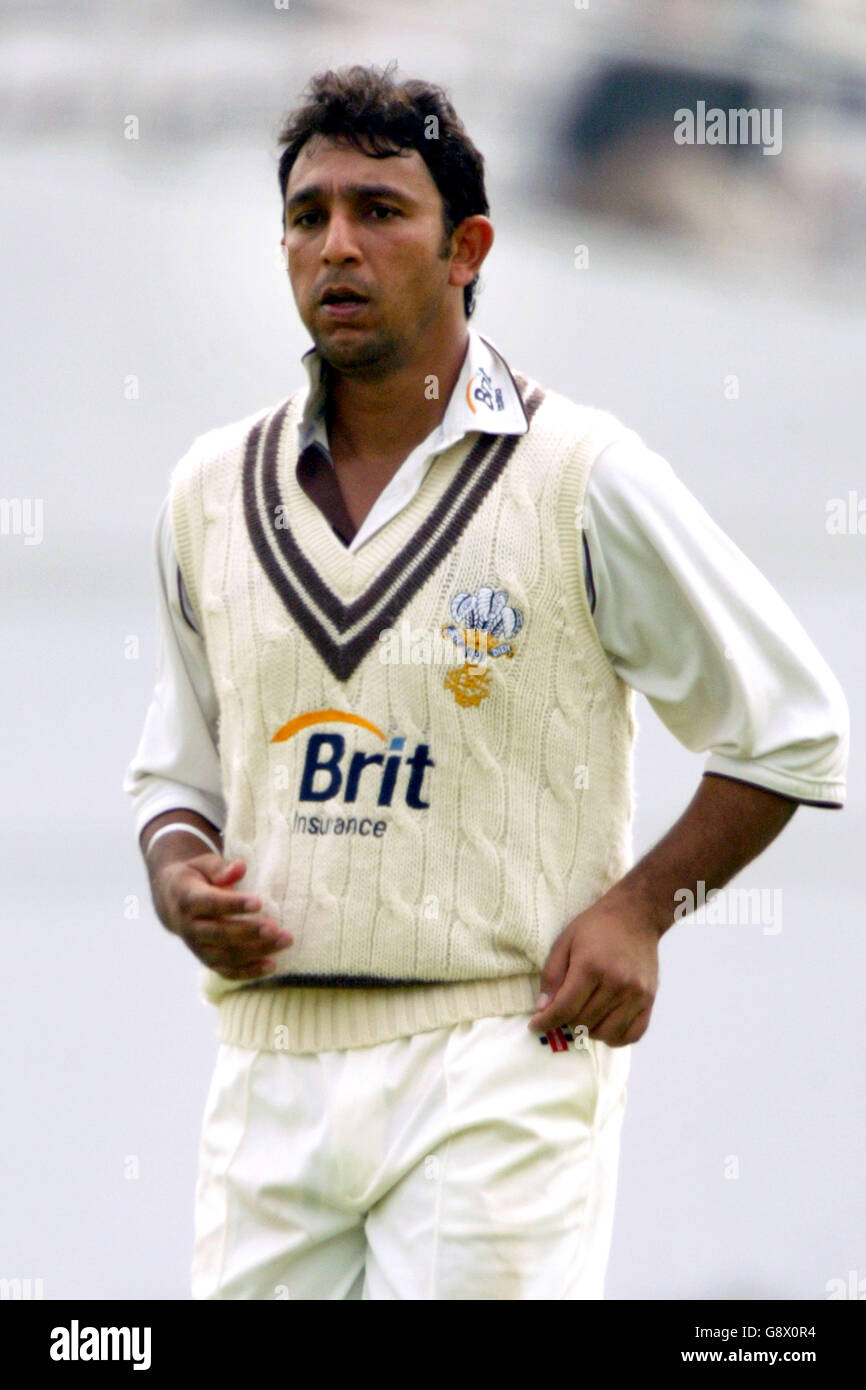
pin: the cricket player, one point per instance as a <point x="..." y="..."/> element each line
<point x="384" y="790"/>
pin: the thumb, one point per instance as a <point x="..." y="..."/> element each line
<point x="221" y="871"/>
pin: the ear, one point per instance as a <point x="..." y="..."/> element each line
<point x="471" y="240"/>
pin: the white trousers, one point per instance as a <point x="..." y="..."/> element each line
<point x="469" y="1162"/>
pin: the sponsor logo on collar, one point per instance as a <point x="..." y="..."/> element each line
<point x="480" y="388"/>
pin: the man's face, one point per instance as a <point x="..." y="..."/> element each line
<point x="373" y="227"/>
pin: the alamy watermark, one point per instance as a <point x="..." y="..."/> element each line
<point x="745" y="907"/>
<point x="21" y="1289"/>
<point x="739" y="126"/>
<point x="846" y="516"/>
<point x="853" y="1287"/>
<point x="22" y="516"/>
<point x="77" y="1343"/>
<point x="408" y="646"/>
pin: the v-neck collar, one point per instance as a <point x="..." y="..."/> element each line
<point x="366" y="590"/>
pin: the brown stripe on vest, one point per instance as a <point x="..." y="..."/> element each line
<point x="345" y="616"/>
<point x="303" y="588"/>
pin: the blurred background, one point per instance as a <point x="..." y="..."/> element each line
<point x="710" y="295"/>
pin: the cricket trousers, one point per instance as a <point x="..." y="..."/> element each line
<point x="468" y="1162"/>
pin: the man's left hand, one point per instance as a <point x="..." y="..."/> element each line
<point x="602" y="972"/>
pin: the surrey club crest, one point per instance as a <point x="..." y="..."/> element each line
<point x="483" y="626"/>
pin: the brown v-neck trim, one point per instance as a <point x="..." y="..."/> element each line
<point x="302" y="589"/>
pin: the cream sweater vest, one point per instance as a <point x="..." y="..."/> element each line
<point x="427" y="757"/>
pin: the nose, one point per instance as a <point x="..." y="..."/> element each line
<point x="339" y="245"/>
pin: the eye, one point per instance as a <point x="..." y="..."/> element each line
<point x="383" y="208"/>
<point x="300" y="221"/>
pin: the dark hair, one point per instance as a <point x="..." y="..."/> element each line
<point x="366" y="107"/>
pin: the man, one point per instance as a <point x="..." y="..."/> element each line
<point x="384" y="790"/>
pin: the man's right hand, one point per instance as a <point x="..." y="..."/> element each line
<point x="222" y="928"/>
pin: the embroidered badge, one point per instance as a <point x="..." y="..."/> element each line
<point x="483" y="626"/>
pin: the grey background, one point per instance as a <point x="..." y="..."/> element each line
<point x="158" y="257"/>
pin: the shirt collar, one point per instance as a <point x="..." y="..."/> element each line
<point x="485" y="398"/>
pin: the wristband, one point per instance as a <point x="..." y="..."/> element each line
<point x="181" y="825"/>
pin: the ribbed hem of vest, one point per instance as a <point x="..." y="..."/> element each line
<point x="319" y="1019"/>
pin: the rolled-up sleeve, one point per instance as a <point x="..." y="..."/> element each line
<point x="690" y="622"/>
<point x="176" y="765"/>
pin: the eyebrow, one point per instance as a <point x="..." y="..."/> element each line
<point x="315" y="191"/>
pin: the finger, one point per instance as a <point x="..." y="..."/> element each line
<point x="199" y="899"/>
<point x="568" y="1005"/>
<point x="624" y="1025"/>
<point x="255" y="970"/>
<point x="638" y="1026"/>
<point x="234" y="932"/>
<point x="213" y="866"/>
<point x="601" y="1004"/>
<point x="223" y="955"/>
<point x="257" y="933"/>
<point x="234" y="868"/>
<point x="266" y="927"/>
<point x="553" y="977"/>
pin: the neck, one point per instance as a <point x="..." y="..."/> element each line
<point x="379" y="421"/>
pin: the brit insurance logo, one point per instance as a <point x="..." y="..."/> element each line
<point x="354" y="782"/>
<point x="480" y="388"/>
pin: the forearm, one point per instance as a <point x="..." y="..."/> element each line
<point x="178" y="844"/>
<point x="725" y="826"/>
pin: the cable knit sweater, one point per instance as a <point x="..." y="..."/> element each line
<point x="426" y="754"/>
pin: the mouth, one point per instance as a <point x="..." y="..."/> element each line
<point x="340" y="302"/>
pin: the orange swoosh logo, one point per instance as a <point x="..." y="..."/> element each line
<point x="317" y="716"/>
